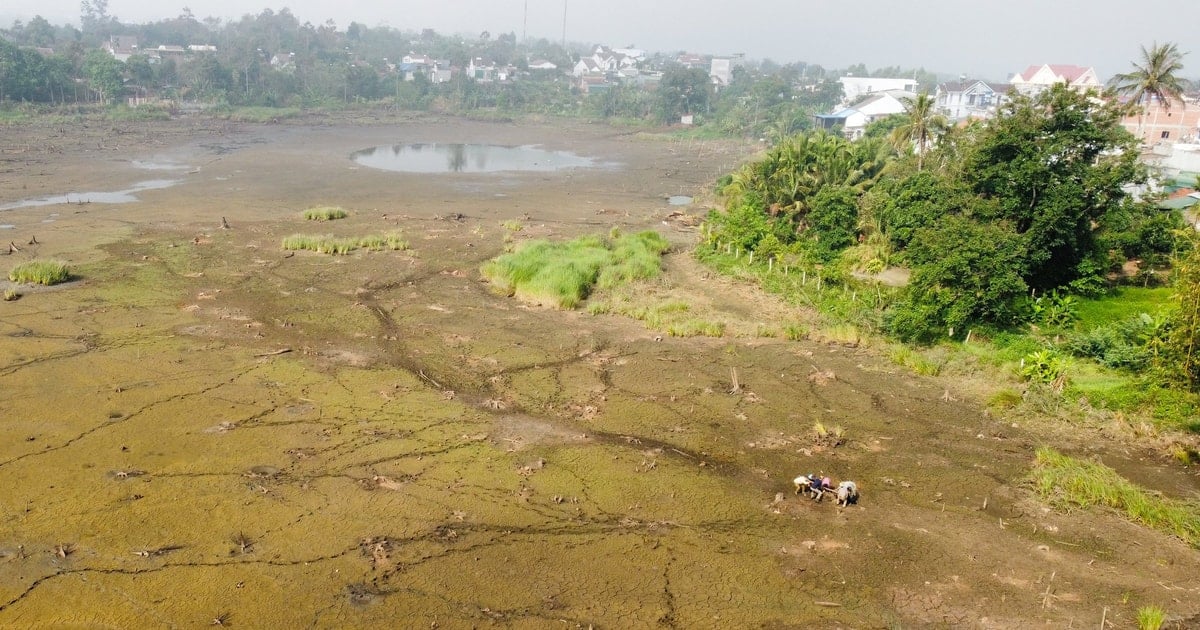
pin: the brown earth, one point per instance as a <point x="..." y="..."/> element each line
<point x="204" y="429"/>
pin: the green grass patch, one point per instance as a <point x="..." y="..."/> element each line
<point x="1151" y="617"/>
<point x="1067" y="482"/>
<point x="325" y="213"/>
<point x="915" y="361"/>
<point x="45" y="272"/>
<point x="344" y="245"/>
<point x="564" y="274"/>
<point x="1121" y="304"/>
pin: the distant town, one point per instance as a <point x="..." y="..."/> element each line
<point x="273" y="60"/>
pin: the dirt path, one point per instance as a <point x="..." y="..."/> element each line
<point x="204" y="426"/>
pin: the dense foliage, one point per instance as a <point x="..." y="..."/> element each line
<point x="987" y="218"/>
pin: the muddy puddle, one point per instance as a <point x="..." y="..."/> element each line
<point x="204" y="427"/>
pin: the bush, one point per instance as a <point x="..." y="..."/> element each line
<point x="1043" y="366"/>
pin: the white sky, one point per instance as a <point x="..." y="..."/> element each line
<point x="990" y="40"/>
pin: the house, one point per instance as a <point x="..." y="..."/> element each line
<point x="201" y="48"/>
<point x="441" y="71"/>
<point x="691" y="60"/>
<point x="966" y="99"/>
<point x="1035" y="79"/>
<point x="542" y="64"/>
<point x="121" y="47"/>
<point x="855" y="88"/>
<point x="165" y="51"/>
<point x="417" y="60"/>
<point x="854" y="120"/>
<point x="1156" y="124"/>
<point x="594" y="84"/>
<point x="283" y="61"/>
<point x="585" y="67"/>
<point x="720" y="69"/>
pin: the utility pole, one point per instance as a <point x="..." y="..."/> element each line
<point x="525" y="24"/>
<point x="564" y="32"/>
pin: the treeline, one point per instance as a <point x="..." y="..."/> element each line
<point x="998" y="222"/>
<point x="327" y="66"/>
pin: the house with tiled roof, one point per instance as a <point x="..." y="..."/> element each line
<point x="967" y="98"/>
<point x="1038" y="78"/>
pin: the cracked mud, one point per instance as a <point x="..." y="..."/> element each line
<point x="206" y="430"/>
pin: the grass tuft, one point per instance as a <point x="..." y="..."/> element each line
<point x="325" y="213"/>
<point x="11" y="295"/>
<point x="1150" y="617"/>
<point x="45" y="272"/>
<point x="1066" y="481"/>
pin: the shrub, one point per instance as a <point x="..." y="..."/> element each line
<point x="1042" y="366"/>
<point x="45" y="272"/>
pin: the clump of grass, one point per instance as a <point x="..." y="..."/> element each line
<point x="45" y="272"/>
<point x="395" y="241"/>
<point x="845" y="334"/>
<point x="795" y="332"/>
<point x="1004" y="399"/>
<point x="1150" y="617"/>
<point x="325" y="213"/>
<point x="11" y="295"/>
<point x="320" y="244"/>
<point x="915" y="361"/>
<point x="564" y="274"/>
<point x="696" y="328"/>
<point x="1185" y="455"/>
<point x="1067" y="481"/>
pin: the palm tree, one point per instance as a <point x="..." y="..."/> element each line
<point x="1154" y="78"/>
<point x="921" y="127"/>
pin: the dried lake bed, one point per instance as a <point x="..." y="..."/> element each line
<point x="205" y="428"/>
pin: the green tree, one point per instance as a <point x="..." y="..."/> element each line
<point x="964" y="271"/>
<point x="1155" y="78"/>
<point x="920" y="126"/>
<point x="1055" y="167"/>
<point x="833" y="220"/>
<point x="683" y="91"/>
<point x="103" y="74"/>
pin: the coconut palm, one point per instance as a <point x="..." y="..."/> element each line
<point x="1154" y="78"/>
<point x="921" y="127"/>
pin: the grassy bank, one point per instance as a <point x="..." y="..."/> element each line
<point x="1068" y="482"/>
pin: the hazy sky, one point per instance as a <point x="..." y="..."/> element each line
<point x="990" y="40"/>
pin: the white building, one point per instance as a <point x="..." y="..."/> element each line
<point x="854" y="88"/>
<point x="1038" y="78"/>
<point x="854" y="120"/>
<point x="961" y="100"/>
